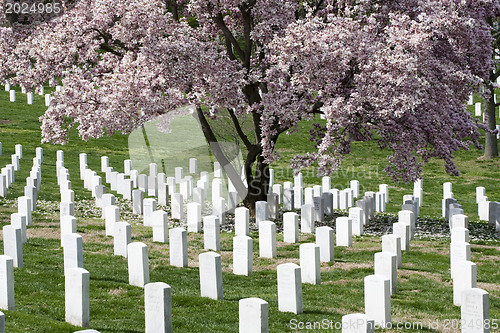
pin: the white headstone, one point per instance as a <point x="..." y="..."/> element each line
<point x="392" y="244"/>
<point x="253" y="315"/>
<point x="178" y="247"/>
<point x="290" y="227"/>
<point x="160" y="226"/>
<point x="13" y="244"/>
<point x="211" y="232"/>
<point x="77" y="296"/>
<point x="408" y="217"/>
<point x="152" y="180"/>
<point x="307" y="219"/>
<point x="289" y="288"/>
<point x="73" y="251"/>
<point x="325" y="240"/>
<point x="19" y="221"/>
<point x="261" y="211"/>
<point x="357" y="323"/>
<point x="309" y="254"/>
<point x="267" y="239"/>
<point x="108" y="199"/>
<point x="24" y="208"/>
<point x="386" y="265"/>
<point x="112" y="215"/>
<point x="158" y="307"/>
<point x="357" y="215"/>
<point x="343" y="231"/>
<point x="138" y="202"/>
<point x="138" y="264"/>
<point x="378" y="299"/>
<point x="122" y="237"/>
<point x="177" y="206"/>
<point x="298" y="197"/>
<point x="459" y="251"/>
<point x="211" y="275"/>
<point x="7" y="301"/>
<point x="465" y="278"/>
<point x="149" y="206"/>
<point x="241" y="221"/>
<point x="475" y="311"/>
<point x="242" y="255"/>
<point x="403" y="231"/>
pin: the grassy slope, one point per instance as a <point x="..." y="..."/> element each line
<point x="424" y="293"/>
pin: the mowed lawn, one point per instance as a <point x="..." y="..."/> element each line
<point x="424" y="299"/>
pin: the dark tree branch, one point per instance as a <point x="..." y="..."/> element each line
<point x="242" y="135"/>
<point x="219" y="20"/>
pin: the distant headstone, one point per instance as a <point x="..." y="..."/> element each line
<point x="194" y="217"/>
<point x="152" y="180"/>
<point x="211" y="275"/>
<point x="289" y="288"/>
<point x="138" y="264"/>
<point x="459" y="221"/>
<point x="408" y="217"/>
<point x="73" y="251"/>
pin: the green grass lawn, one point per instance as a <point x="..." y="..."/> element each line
<point x="424" y="286"/>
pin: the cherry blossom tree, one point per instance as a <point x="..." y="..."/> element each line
<point x="491" y="141"/>
<point x="398" y="72"/>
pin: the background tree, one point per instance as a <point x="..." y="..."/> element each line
<point x="491" y="141"/>
<point x="398" y="72"/>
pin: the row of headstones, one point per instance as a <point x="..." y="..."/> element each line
<point x="487" y="210"/>
<point x="137" y="252"/>
<point x="7" y="175"/>
<point x="474" y="301"/>
<point x="29" y="94"/>
<point x="15" y="234"/>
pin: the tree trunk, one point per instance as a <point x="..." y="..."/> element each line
<point x="258" y="183"/>
<point x="491" y="142"/>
